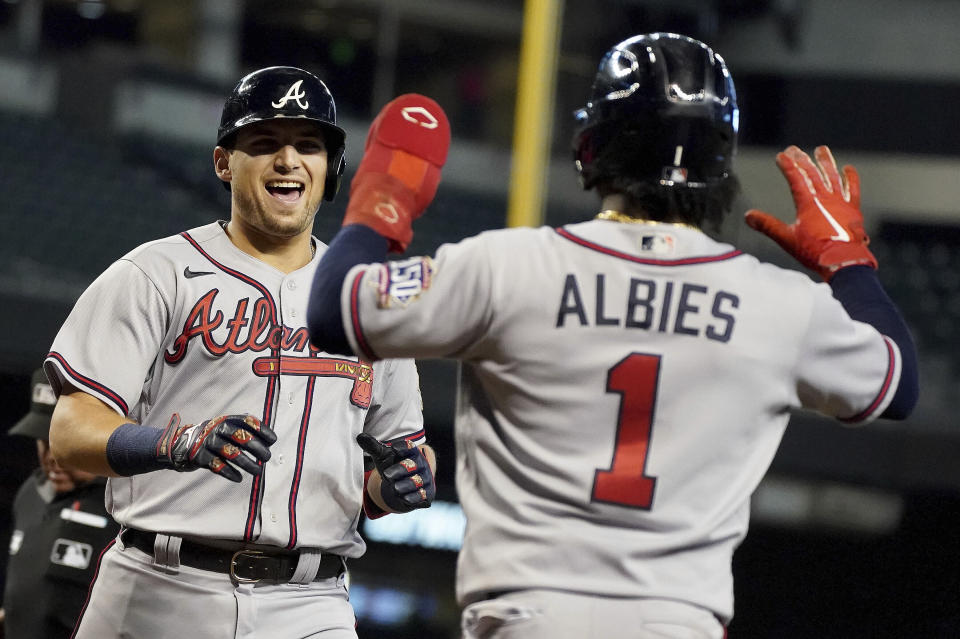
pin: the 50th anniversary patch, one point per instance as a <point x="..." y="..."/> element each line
<point x="402" y="281"/>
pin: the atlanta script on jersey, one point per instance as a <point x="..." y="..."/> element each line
<point x="624" y="390"/>
<point x="192" y="325"/>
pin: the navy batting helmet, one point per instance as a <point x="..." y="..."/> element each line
<point x="286" y="92"/>
<point x="663" y="110"/>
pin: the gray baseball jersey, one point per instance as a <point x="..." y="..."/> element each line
<point x="191" y="324"/>
<point x="625" y="388"/>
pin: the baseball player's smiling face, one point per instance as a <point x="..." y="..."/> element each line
<point x="277" y="170"/>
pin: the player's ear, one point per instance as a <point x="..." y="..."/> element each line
<point x="221" y="163"/>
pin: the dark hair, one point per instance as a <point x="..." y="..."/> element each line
<point x="627" y="155"/>
<point x="705" y="208"/>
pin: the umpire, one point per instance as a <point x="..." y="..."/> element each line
<point x="60" y="525"/>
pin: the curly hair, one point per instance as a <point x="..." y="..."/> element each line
<point x="630" y="160"/>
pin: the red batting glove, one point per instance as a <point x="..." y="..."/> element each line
<point x="398" y="176"/>
<point x="828" y="234"/>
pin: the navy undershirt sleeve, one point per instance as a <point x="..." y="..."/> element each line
<point x="861" y="294"/>
<point x="353" y="244"/>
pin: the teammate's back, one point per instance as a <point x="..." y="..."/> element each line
<point x="626" y="381"/>
<point x="631" y="381"/>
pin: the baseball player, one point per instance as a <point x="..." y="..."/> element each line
<point x="191" y="353"/>
<point x="626" y="380"/>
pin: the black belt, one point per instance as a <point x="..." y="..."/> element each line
<point x="244" y="565"/>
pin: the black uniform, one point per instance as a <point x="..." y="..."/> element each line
<point x="54" y="549"/>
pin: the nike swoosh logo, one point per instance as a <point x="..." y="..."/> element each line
<point x="187" y="273"/>
<point x="842" y="235"/>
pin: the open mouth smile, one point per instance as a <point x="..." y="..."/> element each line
<point x="287" y="191"/>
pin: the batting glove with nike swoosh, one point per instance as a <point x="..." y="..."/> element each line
<point x="398" y="176"/>
<point x="828" y="233"/>
<point x="216" y="444"/>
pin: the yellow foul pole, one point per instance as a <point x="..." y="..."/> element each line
<point x="533" y="118"/>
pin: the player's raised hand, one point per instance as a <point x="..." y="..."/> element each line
<point x="828" y="233"/>
<point x="398" y="176"/>
<point x="406" y="477"/>
<point x="217" y="444"/>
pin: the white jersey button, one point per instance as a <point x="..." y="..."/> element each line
<point x="273" y="517"/>
<point x="280" y="458"/>
<point x="291" y="285"/>
<point x="290" y="398"/>
<point x="293" y="312"/>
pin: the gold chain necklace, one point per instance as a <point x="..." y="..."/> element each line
<point x="617" y="216"/>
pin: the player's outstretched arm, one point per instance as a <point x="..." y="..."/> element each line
<point x="396" y="180"/>
<point x="86" y="434"/>
<point x="859" y="291"/>
<point x="403" y="479"/>
<point x="828" y="237"/>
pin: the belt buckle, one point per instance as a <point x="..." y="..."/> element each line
<point x="234" y="577"/>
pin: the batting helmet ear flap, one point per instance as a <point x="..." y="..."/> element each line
<point x="335" y="166"/>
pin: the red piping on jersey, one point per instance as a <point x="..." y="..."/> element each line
<point x="892" y="355"/>
<point x="96" y="574"/>
<point x="256" y="491"/>
<point x="355" y="318"/>
<point x="83" y="380"/>
<point x="301" y="443"/>
<point x="412" y="437"/>
<point x="640" y="260"/>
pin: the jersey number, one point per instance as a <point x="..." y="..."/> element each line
<point x="635" y="379"/>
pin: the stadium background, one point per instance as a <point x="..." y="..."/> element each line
<point x="108" y="111"/>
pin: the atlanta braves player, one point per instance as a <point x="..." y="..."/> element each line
<point x="210" y="323"/>
<point x="626" y="380"/>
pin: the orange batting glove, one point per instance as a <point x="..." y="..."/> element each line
<point x="398" y="176"/>
<point x="828" y="233"/>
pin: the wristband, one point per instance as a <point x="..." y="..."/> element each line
<point x="132" y="449"/>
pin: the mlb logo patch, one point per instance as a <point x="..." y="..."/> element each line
<point x="72" y="554"/>
<point x="658" y="243"/>
<point x="673" y="175"/>
<point x="402" y="281"/>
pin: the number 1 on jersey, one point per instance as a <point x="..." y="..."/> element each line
<point x="635" y="378"/>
